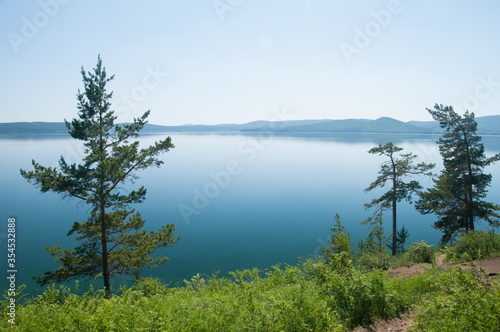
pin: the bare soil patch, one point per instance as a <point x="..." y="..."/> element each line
<point x="490" y="266"/>
<point x="393" y="325"/>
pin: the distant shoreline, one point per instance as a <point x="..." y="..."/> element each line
<point x="488" y="125"/>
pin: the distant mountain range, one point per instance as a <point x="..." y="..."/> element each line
<point x="487" y="125"/>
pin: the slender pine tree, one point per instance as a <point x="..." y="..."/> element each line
<point x="112" y="239"/>
<point x="394" y="171"/>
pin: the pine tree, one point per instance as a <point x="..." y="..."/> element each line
<point x="340" y="240"/>
<point x="394" y="171"/>
<point x="372" y="252"/>
<point x="376" y="241"/>
<point x="112" y="242"/>
<point x="401" y="237"/>
<point x="459" y="191"/>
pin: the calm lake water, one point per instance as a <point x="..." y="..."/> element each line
<point x="237" y="201"/>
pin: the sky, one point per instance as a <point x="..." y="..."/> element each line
<point x="236" y="61"/>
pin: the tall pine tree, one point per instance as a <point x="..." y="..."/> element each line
<point x="394" y="171"/>
<point x="112" y="241"/>
<point x="457" y="197"/>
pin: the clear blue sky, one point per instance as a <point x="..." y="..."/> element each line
<point x="235" y="61"/>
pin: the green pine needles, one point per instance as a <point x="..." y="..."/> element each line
<point x="459" y="192"/>
<point x="112" y="239"/>
<point x="394" y="171"/>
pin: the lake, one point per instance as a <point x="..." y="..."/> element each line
<point x="237" y="201"/>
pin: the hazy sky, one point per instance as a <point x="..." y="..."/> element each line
<point x="235" y="61"/>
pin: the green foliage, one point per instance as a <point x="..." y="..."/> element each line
<point x="476" y="245"/>
<point x="467" y="304"/>
<point x="340" y="240"/>
<point x="375" y="261"/>
<point x="376" y="242"/>
<point x="54" y="296"/>
<point x="113" y="240"/>
<point x="401" y="237"/>
<point x="316" y="295"/>
<point x="19" y="296"/>
<point x="252" y="300"/>
<point x="417" y="288"/>
<point x="150" y="286"/>
<point x="457" y="197"/>
<point x="372" y="252"/>
<point x="421" y="252"/>
<point x="309" y="297"/>
<point x="358" y="297"/>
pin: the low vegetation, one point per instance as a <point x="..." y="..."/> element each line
<point x="463" y="303"/>
<point x="337" y="291"/>
<point x="477" y="245"/>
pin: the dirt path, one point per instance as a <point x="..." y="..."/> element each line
<point x="392" y="325"/>
<point x="490" y="266"/>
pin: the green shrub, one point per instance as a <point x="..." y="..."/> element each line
<point x="421" y="252"/>
<point x="150" y="286"/>
<point x="340" y="240"/>
<point x="375" y="261"/>
<point x="372" y="252"/>
<point x="358" y="297"/>
<point x="477" y="244"/>
<point x="467" y="304"/>
<point x="53" y="295"/>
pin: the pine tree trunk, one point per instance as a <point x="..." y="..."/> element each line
<point x="104" y="237"/>
<point x="394" y="201"/>
<point x="104" y="245"/>
<point x="470" y="200"/>
<point x="394" y="227"/>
